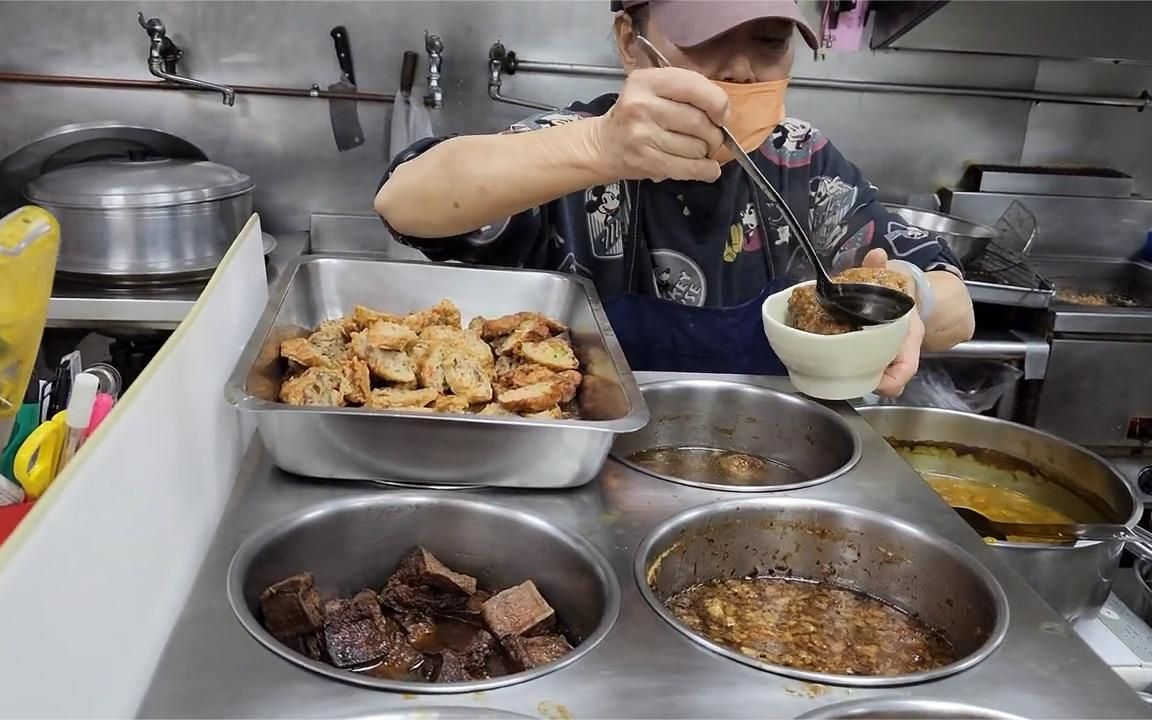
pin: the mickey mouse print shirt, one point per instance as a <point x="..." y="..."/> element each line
<point x="702" y="244"/>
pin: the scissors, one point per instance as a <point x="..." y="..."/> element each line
<point x="38" y="459"/>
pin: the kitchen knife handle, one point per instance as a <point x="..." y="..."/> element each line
<point x="408" y="72"/>
<point x="344" y="52"/>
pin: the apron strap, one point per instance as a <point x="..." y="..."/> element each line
<point x="632" y="239"/>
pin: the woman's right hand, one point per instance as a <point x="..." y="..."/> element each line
<point x="663" y="126"/>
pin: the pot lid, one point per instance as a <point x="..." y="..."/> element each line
<point x="82" y="142"/>
<point x="136" y="183"/>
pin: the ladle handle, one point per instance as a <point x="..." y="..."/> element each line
<point x="822" y="279"/>
<point x="1139" y="542"/>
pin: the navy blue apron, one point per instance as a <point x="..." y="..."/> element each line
<point x="665" y="336"/>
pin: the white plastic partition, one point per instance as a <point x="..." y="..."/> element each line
<point x="93" y="580"/>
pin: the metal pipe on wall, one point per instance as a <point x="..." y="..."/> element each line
<point x="512" y="64"/>
<point x="129" y="84"/>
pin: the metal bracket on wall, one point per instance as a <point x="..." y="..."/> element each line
<point x="501" y="60"/>
<point x="163" y="54"/>
<point x="435" y="48"/>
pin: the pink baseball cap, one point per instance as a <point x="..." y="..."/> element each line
<point x="691" y="22"/>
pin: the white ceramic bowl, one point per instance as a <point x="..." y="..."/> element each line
<point x="831" y="367"/>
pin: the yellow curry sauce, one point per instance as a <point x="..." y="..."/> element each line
<point x="998" y="503"/>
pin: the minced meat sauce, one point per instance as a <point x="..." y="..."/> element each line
<point x="810" y="626"/>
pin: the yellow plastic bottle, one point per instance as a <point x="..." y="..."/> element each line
<point x="29" y="244"/>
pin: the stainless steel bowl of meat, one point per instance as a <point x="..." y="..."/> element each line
<point x="822" y="591"/>
<point x="725" y="435"/>
<point x="423" y="594"/>
<point x="905" y="709"/>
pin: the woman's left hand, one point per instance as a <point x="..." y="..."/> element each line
<point x="907" y="362"/>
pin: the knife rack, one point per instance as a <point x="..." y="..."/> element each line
<point x="164" y="57"/>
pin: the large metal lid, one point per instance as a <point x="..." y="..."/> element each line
<point x="131" y="183"/>
<point x="83" y="142"/>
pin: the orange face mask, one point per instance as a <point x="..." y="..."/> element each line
<point x="757" y="108"/>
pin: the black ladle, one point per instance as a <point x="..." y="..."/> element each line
<point x="856" y="303"/>
<point x="1052" y="532"/>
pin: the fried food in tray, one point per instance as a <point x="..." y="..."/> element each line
<point x="427" y="361"/>
<point x="805" y="312"/>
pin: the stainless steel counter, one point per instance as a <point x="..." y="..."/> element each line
<point x="76" y="305"/>
<point x="1029" y="350"/>
<point x="212" y="668"/>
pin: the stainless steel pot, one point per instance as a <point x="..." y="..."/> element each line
<point x="144" y="219"/>
<point x="896" y="708"/>
<point x="1074" y="579"/>
<point x="854" y="548"/>
<point x="1142" y="603"/>
<point x="804" y="443"/>
<point x="963" y="237"/>
<point x="355" y="543"/>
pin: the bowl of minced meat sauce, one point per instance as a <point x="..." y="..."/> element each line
<point x="822" y="591"/>
<point x="827" y="358"/>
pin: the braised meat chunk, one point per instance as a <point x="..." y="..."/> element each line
<point x="519" y="610"/>
<point x="429" y="624"/>
<point x="292" y="607"/>
<point x="452" y="669"/>
<point x="355" y="631"/>
<point x="310" y="646"/>
<point x="525" y="653"/>
<point x="422" y="584"/>
<point x="424" y="566"/>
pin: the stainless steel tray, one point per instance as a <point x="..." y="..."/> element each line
<point x="643" y="668"/>
<point x="422" y="448"/>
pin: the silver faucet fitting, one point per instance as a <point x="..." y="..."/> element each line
<point x="163" y="54"/>
<point x="435" y="47"/>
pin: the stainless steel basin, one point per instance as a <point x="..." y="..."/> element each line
<point x="901" y="708"/>
<point x="355" y="443"/>
<point x="355" y="543"/>
<point x="807" y="443"/>
<point x="1074" y="579"/>
<point x="445" y="713"/>
<point x="1120" y="283"/>
<point x="914" y="570"/>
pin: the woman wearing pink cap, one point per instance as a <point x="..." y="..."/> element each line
<point x="635" y="191"/>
